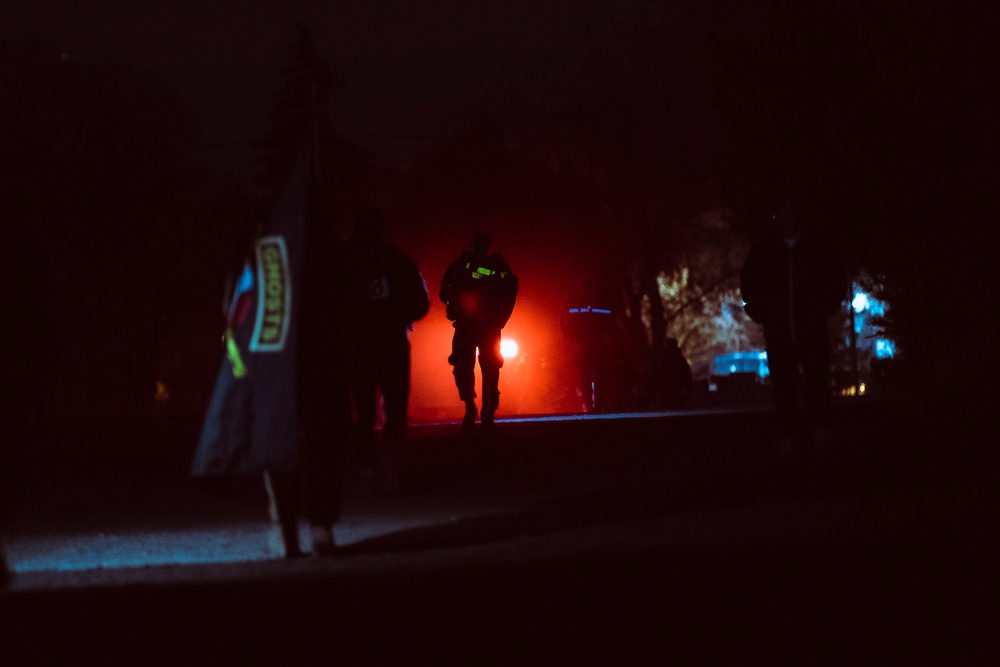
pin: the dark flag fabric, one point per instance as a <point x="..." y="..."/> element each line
<point x="250" y="425"/>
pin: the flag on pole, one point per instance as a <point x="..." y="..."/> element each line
<point x="251" y="422"/>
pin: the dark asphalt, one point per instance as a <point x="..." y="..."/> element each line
<point x="654" y="539"/>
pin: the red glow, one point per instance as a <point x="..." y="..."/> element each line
<point x="535" y="378"/>
<point x="539" y="379"/>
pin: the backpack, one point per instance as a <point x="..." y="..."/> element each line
<point x="479" y="290"/>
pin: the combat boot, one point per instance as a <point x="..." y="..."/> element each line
<point x="487" y="422"/>
<point x="469" y="421"/>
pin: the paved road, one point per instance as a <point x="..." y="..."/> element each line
<point x="668" y="536"/>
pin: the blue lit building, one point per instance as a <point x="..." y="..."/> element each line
<point x="739" y="374"/>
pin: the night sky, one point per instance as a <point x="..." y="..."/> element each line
<point x="411" y="70"/>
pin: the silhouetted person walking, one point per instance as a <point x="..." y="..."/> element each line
<point x="791" y="283"/>
<point x="479" y="291"/>
<point x="384" y="294"/>
<point x="588" y="321"/>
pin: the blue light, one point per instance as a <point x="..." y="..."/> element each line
<point x="741" y="362"/>
<point x="246" y="280"/>
<point x="589" y="309"/>
<point x="860" y="302"/>
<point x="236" y="542"/>
<point x="884" y="348"/>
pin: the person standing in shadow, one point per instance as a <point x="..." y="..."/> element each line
<point x="791" y="283"/>
<point x="383" y="294"/>
<point x="479" y="291"/>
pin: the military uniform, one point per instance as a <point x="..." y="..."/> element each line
<point x="479" y="291"/>
<point x="383" y="294"/>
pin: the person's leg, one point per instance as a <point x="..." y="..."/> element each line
<point x="463" y="358"/>
<point x="324" y="486"/>
<point x="363" y="391"/>
<point x="816" y="368"/>
<point x="324" y="415"/>
<point x="490" y="362"/>
<point x="285" y="506"/>
<point x="394" y="378"/>
<point x="323" y="460"/>
<point x="395" y="381"/>
<point x="325" y="432"/>
<point x="784" y="369"/>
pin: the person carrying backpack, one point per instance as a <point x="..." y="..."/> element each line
<point x="383" y="294"/>
<point x="479" y="291"/>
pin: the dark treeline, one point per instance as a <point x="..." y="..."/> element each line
<point x="664" y="151"/>
<point x="104" y="204"/>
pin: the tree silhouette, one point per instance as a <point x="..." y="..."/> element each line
<point x="99" y="186"/>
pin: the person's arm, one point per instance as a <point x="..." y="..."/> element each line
<point x="510" y="296"/>
<point x="447" y="284"/>
<point x="447" y="291"/>
<point x="417" y="299"/>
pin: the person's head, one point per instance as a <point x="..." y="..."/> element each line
<point x="369" y="227"/>
<point x="480" y="244"/>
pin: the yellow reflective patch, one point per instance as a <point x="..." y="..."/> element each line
<point x="274" y="296"/>
<point x="233" y="352"/>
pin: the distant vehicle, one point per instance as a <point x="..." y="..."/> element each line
<point x="739" y="375"/>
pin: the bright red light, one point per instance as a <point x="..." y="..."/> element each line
<point x="538" y="376"/>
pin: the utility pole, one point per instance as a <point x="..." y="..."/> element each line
<point x="855" y="369"/>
